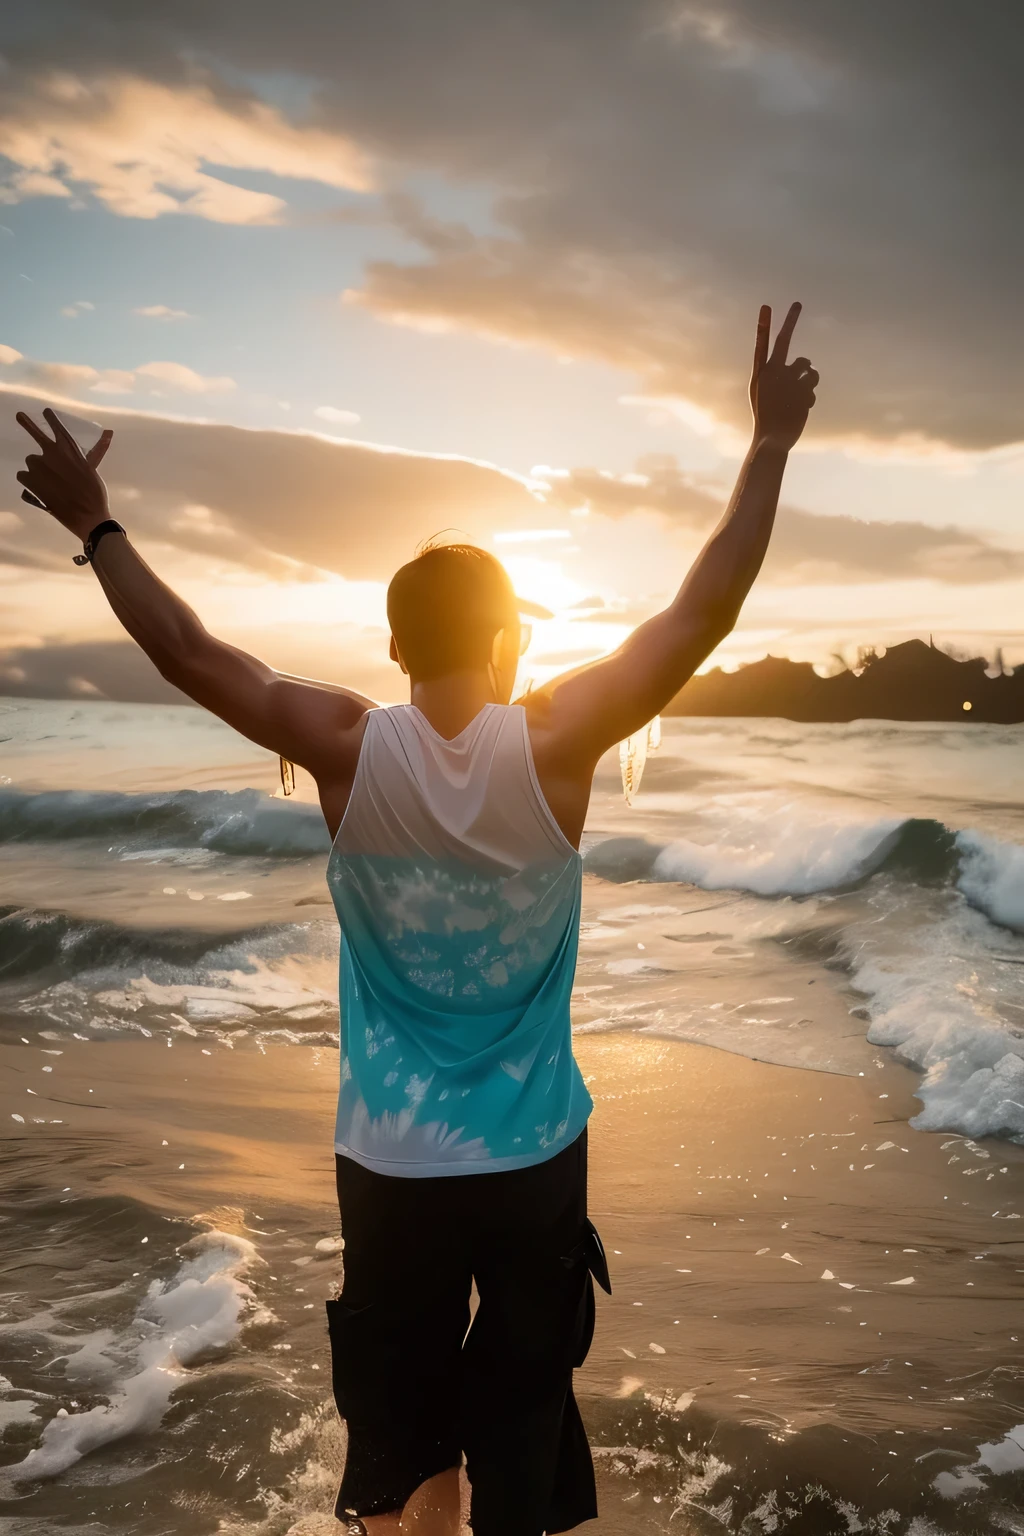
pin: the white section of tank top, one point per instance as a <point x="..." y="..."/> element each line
<point x="475" y="797"/>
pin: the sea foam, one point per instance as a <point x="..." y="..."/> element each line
<point x="199" y="1312"/>
<point x="992" y="877"/>
<point x="933" y="994"/>
<point x="787" y="852"/>
<point x="937" y="960"/>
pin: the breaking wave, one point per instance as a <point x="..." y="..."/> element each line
<point x="82" y="974"/>
<point x="241" y="822"/>
<point x="801" y="853"/>
<point x="938" y="960"/>
<point x="959" y="896"/>
<point x="791" y="849"/>
<point x="55" y="944"/>
<point x="991" y="876"/>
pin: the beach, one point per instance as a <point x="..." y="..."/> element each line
<point x="815" y="1320"/>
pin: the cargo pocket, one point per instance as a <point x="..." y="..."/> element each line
<point x="597" y="1262"/>
<point x="359" y="1365"/>
<point x="391" y="1364"/>
<point x="588" y="1259"/>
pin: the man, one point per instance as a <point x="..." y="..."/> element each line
<point x="461" y="1130"/>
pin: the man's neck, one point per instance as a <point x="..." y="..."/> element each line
<point x="452" y="701"/>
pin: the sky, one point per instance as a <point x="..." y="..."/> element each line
<point x="342" y="277"/>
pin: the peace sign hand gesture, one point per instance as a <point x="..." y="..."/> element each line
<point x="781" y="393"/>
<point x="63" y="480"/>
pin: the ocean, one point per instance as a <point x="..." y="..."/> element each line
<point x="844" y="902"/>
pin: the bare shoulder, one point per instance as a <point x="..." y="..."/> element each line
<point x="536" y="706"/>
<point x="558" y="728"/>
<point x="564" y="775"/>
<point x="324" y="721"/>
<point x="336" y="770"/>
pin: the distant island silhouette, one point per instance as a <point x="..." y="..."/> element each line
<point x="915" y="680"/>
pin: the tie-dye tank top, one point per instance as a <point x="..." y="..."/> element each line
<point x="459" y="903"/>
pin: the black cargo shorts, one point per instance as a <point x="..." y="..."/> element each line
<point x="418" y="1387"/>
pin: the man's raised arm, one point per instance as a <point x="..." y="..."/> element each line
<point x="302" y="720"/>
<point x="584" y="712"/>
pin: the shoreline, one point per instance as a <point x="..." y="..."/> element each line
<point x="724" y="1193"/>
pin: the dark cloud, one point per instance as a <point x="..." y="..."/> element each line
<point x="286" y="503"/>
<point x="111" y="669"/>
<point x="28" y="556"/>
<point x="659" y="168"/>
<point x="806" y="546"/>
<point x="58" y="668"/>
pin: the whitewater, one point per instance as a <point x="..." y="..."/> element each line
<point x="146" y="897"/>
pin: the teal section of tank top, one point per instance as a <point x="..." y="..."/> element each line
<point x="455" y="1030"/>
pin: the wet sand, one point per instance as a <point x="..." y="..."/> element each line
<point x="726" y="1191"/>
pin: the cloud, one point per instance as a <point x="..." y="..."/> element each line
<point x="64" y="132"/>
<point x="80" y="306"/>
<point x="110" y="669"/>
<point x="160" y="378"/>
<point x="295" y="504"/>
<point x="25" y="553"/>
<point x="287" y="503"/>
<point x="162" y="312"/>
<point x="25" y="184"/>
<point x="656" y="171"/>
<point x="806" y="547"/>
<point x="661" y="174"/>
<point x="332" y="413"/>
<point x="177" y="377"/>
<point x="59" y="668"/>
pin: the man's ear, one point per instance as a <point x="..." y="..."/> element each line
<point x="393" y="652"/>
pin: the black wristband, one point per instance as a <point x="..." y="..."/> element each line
<point x="89" y="548"/>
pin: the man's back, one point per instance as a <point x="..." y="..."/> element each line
<point x="458" y="897"/>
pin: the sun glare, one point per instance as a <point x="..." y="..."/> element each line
<point x="543" y="581"/>
<point x="531" y="535"/>
<point x="260" y="601"/>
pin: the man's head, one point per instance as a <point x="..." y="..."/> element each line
<point x="448" y="607"/>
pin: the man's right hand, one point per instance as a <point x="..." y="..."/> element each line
<point x="63" y="479"/>
<point x="576" y="717"/>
